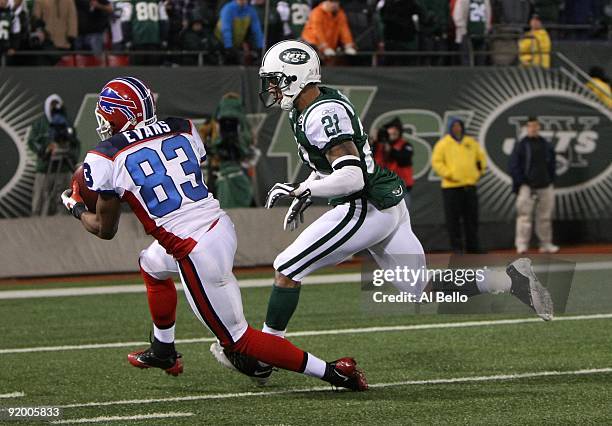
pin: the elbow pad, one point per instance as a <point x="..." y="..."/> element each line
<point x="347" y="178"/>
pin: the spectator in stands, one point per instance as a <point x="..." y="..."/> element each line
<point x="393" y="152"/>
<point x="535" y="45"/>
<point x="93" y="18"/>
<point x="53" y="141"/>
<point x="198" y="37"/>
<point x="145" y="27"/>
<point x="177" y="23"/>
<point x="8" y="37"/>
<point x="460" y="161"/>
<point x="58" y="18"/>
<point x="327" y="28"/>
<point x="398" y="26"/>
<point x="116" y="22"/>
<point x="293" y="15"/>
<point x="532" y="167"/>
<point x="236" y="20"/>
<point x="600" y="85"/>
<point x="19" y="29"/>
<point x="230" y="149"/>
<point x="434" y="29"/>
<point x="472" y="19"/>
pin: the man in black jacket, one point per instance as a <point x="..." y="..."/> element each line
<point x="532" y="166"/>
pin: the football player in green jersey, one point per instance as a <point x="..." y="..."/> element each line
<point x="369" y="212"/>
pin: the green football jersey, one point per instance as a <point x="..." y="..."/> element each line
<point x="477" y="19"/>
<point x="330" y="120"/>
<point x="144" y="17"/>
<point x="299" y="11"/>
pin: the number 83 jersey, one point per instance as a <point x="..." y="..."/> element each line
<point x="156" y="170"/>
<point x="331" y="120"/>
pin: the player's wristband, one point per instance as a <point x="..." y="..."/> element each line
<point x="78" y="210"/>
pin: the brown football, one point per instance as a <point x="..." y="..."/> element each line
<point x="90" y="198"/>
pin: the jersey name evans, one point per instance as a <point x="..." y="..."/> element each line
<point x="155" y="129"/>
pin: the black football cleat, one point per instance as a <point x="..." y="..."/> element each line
<point x="343" y="373"/>
<point x="527" y="288"/>
<point x="172" y="365"/>
<point x="249" y="366"/>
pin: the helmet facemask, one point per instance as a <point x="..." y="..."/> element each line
<point x="104" y="129"/>
<point x="273" y="87"/>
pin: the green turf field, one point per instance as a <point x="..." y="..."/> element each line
<point x="400" y="364"/>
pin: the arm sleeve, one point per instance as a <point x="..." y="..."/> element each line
<point x="38" y="140"/>
<point x="72" y="21"/>
<point x="403" y="156"/>
<point x="552" y="164"/>
<point x="283" y="10"/>
<point x="482" y="159"/>
<point x="460" y="12"/>
<point x="199" y="145"/>
<point x="226" y="20"/>
<point x="98" y="172"/>
<point x="328" y="124"/>
<point x="437" y="161"/>
<point x="126" y="21"/>
<point x="345" y="31"/>
<point x="515" y="165"/>
<point x="347" y="178"/>
<point x="317" y="29"/>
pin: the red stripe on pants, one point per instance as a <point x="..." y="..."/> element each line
<point x="196" y="289"/>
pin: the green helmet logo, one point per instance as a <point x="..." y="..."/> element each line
<point x="294" y="56"/>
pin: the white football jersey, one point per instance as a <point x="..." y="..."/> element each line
<point x="156" y="170"/>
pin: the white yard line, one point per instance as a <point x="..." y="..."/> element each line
<point x="332" y="332"/>
<point x="12" y="395"/>
<point x="441" y="381"/>
<point x="253" y="283"/>
<point x="140" y="288"/>
<point x="169" y="415"/>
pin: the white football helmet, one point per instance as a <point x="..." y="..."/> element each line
<point x="286" y="68"/>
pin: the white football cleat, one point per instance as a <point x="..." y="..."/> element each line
<point x="240" y="363"/>
<point x="528" y="289"/>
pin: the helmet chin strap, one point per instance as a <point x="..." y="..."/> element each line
<point x="286" y="103"/>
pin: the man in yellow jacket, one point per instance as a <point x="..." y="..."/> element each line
<point x="535" y="45"/>
<point x="460" y="161"/>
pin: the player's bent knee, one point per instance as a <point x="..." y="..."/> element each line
<point x="283" y="281"/>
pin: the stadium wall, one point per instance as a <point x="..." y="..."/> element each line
<point x="494" y="102"/>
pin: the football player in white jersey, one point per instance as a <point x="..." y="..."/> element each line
<point x="369" y="212"/>
<point x="154" y="166"/>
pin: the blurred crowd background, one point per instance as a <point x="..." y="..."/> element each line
<point x="347" y="32"/>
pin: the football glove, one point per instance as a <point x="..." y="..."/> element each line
<point x="295" y="214"/>
<point x="72" y="200"/>
<point x="278" y="191"/>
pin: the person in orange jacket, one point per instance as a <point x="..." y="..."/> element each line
<point x="327" y="28"/>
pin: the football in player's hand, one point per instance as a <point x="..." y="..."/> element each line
<point x="90" y="198"/>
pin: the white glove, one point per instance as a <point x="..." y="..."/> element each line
<point x="350" y="50"/>
<point x="329" y="52"/>
<point x="278" y="191"/>
<point x="295" y="214"/>
<point x="72" y="200"/>
<point x="67" y="200"/>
